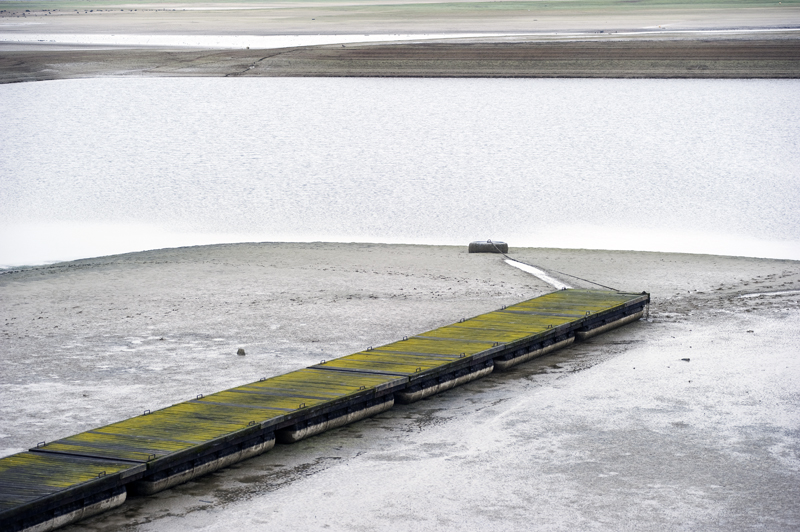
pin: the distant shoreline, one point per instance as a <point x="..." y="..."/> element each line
<point x="58" y="265"/>
<point x="724" y="58"/>
<point x="578" y="39"/>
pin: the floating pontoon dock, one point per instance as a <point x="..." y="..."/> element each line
<point x="63" y="481"/>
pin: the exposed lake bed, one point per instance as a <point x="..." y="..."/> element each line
<point x="581" y="436"/>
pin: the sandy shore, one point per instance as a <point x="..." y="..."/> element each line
<point x="613" y="434"/>
<point x="555" y="39"/>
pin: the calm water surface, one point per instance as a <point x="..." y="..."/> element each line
<point x="98" y="166"/>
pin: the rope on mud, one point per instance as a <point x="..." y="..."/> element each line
<point x="554" y="271"/>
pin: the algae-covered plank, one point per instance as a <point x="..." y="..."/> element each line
<point x="170" y="431"/>
<point x="394" y="357"/>
<point x="376" y="366"/>
<point x="425" y="345"/>
<point x="473" y="334"/>
<point x="319" y="383"/>
<point x="30" y="476"/>
<point x="250" y="400"/>
<point x="117" y="446"/>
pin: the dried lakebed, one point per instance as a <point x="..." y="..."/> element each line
<point x="641" y="445"/>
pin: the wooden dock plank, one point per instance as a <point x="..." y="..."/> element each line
<point x="376" y="365"/>
<point x="321" y="383"/>
<point x="160" y="431"/>
<point x="180" y="427"/>
<point x="260" y="400"/>
<point x="524" y="322"/>
<point x="394" y="357"/>
<point x="119" y="446"/>
<point x="28" y="476"/>
<point x="487" y="335"/>
<point x="424" y="345"/>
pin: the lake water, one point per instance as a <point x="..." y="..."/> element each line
<point x="100" y="166"/>
<point x="260" y="42"/>
<point x="10" y="33"/>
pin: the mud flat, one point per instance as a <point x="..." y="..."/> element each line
<point x="616" y="429"/>
<point x="531" y="39"/>
<point x="719" y="58"/>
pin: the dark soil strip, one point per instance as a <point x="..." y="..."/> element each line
<point x="740" y="58"/>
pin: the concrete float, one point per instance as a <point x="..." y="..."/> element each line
<point x="533" y="352"/>
<point x="202" y="466"/>
<point x="585" y="335"/>
<point x="421" y="390"/>
<point x="320" y="424"/>
<point x="81" y="513"/>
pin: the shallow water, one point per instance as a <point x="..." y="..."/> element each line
<point x="100" y="166"/>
